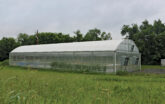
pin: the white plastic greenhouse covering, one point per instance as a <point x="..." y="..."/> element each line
<point x="91" y="56"/>
<point x="108" y="45"/>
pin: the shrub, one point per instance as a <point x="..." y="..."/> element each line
<point x="121" y="72"/>
<point x="5" y="63"/>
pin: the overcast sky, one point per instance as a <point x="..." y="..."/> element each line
<point x="26" y="16"/>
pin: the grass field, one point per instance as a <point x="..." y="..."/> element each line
<point x="27" y="86"/>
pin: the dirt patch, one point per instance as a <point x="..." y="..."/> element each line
<point x="157" y="71"/>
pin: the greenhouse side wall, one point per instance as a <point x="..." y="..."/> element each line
<point x="100" y="61"/>
<point x="128" y="61"/>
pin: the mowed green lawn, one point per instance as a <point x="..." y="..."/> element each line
<point x="27" y="86"/>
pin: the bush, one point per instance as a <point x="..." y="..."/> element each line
<point x="5" y="63"/>
<point x="121" y="72"/>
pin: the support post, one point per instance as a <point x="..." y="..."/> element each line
<point x="115" y="62"/>
<point x="140" y="63"/>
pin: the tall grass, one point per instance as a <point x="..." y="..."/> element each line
<point x="28" y="86"/>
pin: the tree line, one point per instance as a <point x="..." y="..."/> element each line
<point x="7" y="44"/>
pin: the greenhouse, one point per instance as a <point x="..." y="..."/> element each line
<point x="107" y="56"/>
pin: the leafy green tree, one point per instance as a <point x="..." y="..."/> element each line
<point x="48" y="37"/>
<point x="149" y="38"/>
<point x="96" y="34"/>
<point x="6" y="46"/>
<point x="23" y="39"/>
<point x="32" y="40"/>
<point x="93" y="35"/>
<point x="106" y="36"/>
<point x="79" y="36"/>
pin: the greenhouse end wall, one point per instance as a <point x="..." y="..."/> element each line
<point x="133" y="63"/>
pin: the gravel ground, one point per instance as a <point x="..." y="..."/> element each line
<point x="157" y="71"/>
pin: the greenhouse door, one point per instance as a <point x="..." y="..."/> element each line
<point x="126" y="63"/>
<point x="124" y="60"/>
